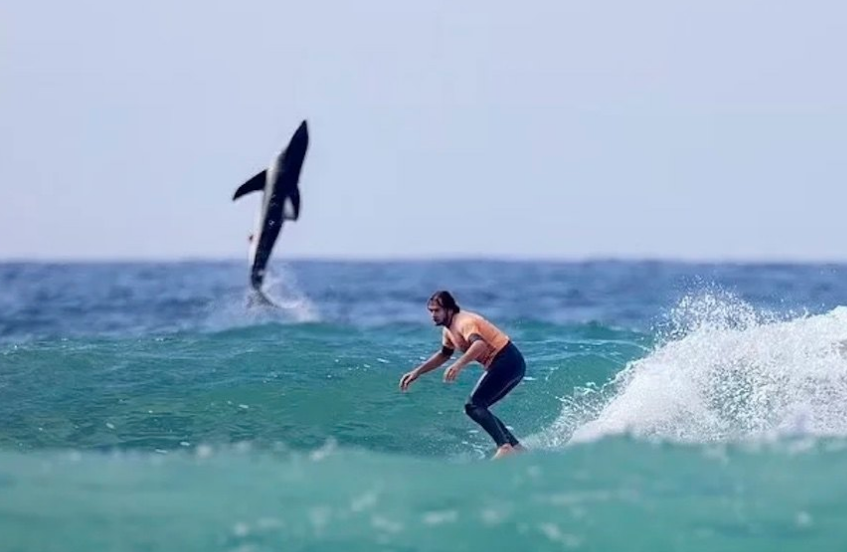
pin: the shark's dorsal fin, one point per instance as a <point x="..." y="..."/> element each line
<point x="253" y="185"/>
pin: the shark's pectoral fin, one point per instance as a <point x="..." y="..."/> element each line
<point x="253" y="185"/>
<point x="291" y="207"/>
<point x="288" y="210"/>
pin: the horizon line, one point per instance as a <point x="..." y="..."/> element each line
<point x="371" y="259"/>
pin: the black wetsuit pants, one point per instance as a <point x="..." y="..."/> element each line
<point x="506" y="371"/>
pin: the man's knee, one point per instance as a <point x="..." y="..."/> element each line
<point x="474" y="410"/>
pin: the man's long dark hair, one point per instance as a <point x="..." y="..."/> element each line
<point x="445" y="300"/>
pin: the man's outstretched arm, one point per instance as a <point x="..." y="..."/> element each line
<point x="435" y="361"/>
<point x="477" y="348"/>
<point x="429" y="365"/>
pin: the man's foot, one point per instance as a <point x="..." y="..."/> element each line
<point x="503" y="451"/>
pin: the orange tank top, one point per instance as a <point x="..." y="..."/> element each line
<point x="464" y="325"/>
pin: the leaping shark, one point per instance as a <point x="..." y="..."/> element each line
<point x="281" y="202"/>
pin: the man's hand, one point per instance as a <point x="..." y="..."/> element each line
<point x="407" y="379"/>
<point x="451" y="373"/>
<point x="476" y="348"/>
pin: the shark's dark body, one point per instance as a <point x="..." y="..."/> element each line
<point x="281" y="201"/>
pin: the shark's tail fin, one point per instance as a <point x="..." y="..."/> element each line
<point x="257" y="298"/>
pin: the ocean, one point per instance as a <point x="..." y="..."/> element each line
<point x="666" y="406"/>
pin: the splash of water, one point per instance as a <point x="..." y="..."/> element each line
<point x="723" y="371"/>
<point x="285" y="290"/>
<point x="282" y="288"/>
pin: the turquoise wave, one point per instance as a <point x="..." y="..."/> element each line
<point x="295" y="383"/>
<point x="615" y="494"/>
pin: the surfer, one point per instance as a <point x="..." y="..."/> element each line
<point x="479" y="340"/>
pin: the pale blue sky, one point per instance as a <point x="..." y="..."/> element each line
<point x="715" y="130"/>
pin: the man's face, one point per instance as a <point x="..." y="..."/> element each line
<point x="438" y="313"/>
